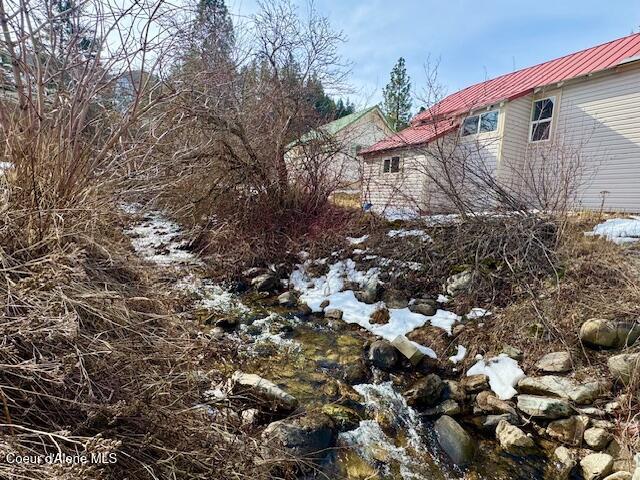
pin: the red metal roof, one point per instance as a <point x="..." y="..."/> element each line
<point x="416" y="135"/>
<point x="521" y="82"/>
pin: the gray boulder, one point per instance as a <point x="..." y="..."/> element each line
<point x="264" y="392"/>
<point x="601" y="333"/>
<point x="448" y="407"/>
<point x="581" y="393"/>
<point x="596" y="466"/>
<point x="512" y="439"/>
<point x="625" y="366"/>
<point x="544" y="407"/>
<point x="424" y="306"/>
<point x="458" y="283"/>
<point x="333" y="313"/>
<point x="555" y="362"/>
<point x="394" y="298"/>
<point x="306" y="437"/>
<point x="383" y="355"/>
<point x="425" y="392"/>
<point x="454" y="440"/>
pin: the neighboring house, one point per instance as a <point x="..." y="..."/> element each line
<point x="584" y="106"/>
<point x="336" y="145"/>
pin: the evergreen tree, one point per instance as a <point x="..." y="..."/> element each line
<point x="213" y="31"/>
<point x="343" y="109"/>
<point x="397" y="97"/>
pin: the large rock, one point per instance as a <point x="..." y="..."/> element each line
<point x="601" y="333"/>
<point x="454" y="440"/>
<point x="408" y="349"/>
<point x="568" y="431"/>
<point x="565" y="461"/>
<point x="394" y="298"/>
<point x="458" y="283"/>
<point x="488" y="402"/>
<point x="383" y="355"/>
<point x="624" y="366"/>
<point x="267" y="282"/>
<point x="555" y="362"/>
<point x="370" y="293"/>
<point x="581" y="393"/>
<point x="620" y="476"/>
<point x="544" y="407"/>
<point x="263" y="392"/>
<point x="308" y="436"/>
<point x="425" y="392"/>
<point x="596" y="466"/>
<point x="512" y="439"/>
<point x="597" y="438"/>
<point x="424" y="306"/>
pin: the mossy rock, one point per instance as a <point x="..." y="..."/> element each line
<point x="345" y="418"/>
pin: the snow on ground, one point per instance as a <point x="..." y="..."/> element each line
<point x="459" y="356"/>
<point x="618" y="230"/>
<point x="213" y="297"/>
<point x="503" y="372"/>
<point x="330" y="287"/>
<point x="401" y="233"/>
<point x="478" y="313"/>
<point x="357" y="240"/>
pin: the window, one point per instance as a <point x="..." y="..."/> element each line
<point x="391" y="165"/>
<point x="541" y="117"/>
<point x="482" y="123"/>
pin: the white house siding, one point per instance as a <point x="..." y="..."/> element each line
<point x="514" y="141"/>
<point x="602" y="118"/>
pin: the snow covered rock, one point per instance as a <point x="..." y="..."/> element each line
<point x="503" y="372"/>
<point x="454" y="440"/>
<point x="512" y="439"/>
<point x="555" y="362"/>
<point x="601" y="333"/>
<point x="596" y="466"/>
<point x="458" y="283"/>
<point x="543" y="407"/>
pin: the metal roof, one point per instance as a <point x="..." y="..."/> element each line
<point x="522" y="82"/>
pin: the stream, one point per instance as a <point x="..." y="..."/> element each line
<point x="306" y="355"/>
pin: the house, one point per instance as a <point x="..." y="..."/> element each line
<point x="575" y="119"/>
<point x="335" y="147"/>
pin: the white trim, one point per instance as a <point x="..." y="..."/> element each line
<point x="549" y="120"/>
<point x="480" y="115"/>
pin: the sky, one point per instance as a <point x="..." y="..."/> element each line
<point x="471" y="40"/>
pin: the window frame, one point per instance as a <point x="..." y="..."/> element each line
<point x="479" y="124"/>
<point x="549" y="120"/>
<point x="387" y="165"/>
<point x="395" y="160"/>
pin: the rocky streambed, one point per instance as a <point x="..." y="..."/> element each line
<point x="327" y="376"/>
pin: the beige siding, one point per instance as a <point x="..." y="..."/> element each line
<point x="514" y="140"/>
<point x="601" y="117"/>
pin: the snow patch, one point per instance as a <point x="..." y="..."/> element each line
<point x="459" y="356"/>
<point x="357" y="240"/>
<point x="618" y="230"/>
<point x="503" y="372"/>
<point x="478" y="313"/>
<point x="213" y="297"/>
<point x="401" y="233"/>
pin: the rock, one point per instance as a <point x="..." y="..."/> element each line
<point x="566" y="461"/>
<point x="601" y="333"/>
<point x="250" y="416"/>
<point x="512" y="439"/>
<point x="254" y="272"/>
<point x="596" y="466"/>
<point x="344" y="418"/>
<point x="288" y="299"/>
<point x="262" y="391"/>
<point x="488" y="423"/>
<point x="408" y="349"/>
<point x="424" y="306"/>
<point x="448" y="407"/>
<point x="454" y="440"/>
<point x="333" y="313"/>
<point x="458" y="283"/>
<point x="619" y="476"/>
<point x="383" y="355"/>
<point x="266" y="282"/>
<point x="568" y="431"/>
<point x="625" y="366"/>
<point x="597" y="438"/>
<point x="425" y="392"/>
<point x="324" y="304"/>
<point x="581" y="393"/>
<point x="543" y="407"/>
<point x="555" y="362"/>
<point x="356" y="373"/>
<point x="225" y="323"/>
<point x="488" y="402"/>
<point x="380" y="316"/>
<point x="453" y="390"/>
<point x="307" y="436"/>
<point x="512" y="352"/>
<point x="475" y="383"/>
<point x="394" y="298"/>
<point x="304" y="308"/>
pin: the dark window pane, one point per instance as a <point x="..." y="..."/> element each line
<point x="489" y="121"/>
<point x="395" y="164"/>
<point x="387" y="163"/>
<point x="470" y="125"/>
<point x="540" y="131"/>
<point x="542" y="109"/>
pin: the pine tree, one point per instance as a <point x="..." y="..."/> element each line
<point x="397" y="97"/>
<point x="214" y="30"/>
<point x="343" y="109"/>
